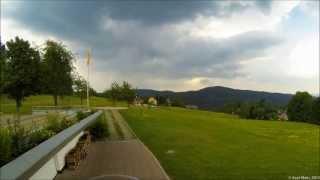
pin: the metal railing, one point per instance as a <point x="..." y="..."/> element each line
<point x="30" y="162"/>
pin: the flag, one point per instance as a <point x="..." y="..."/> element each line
<point x="88" y="61"/>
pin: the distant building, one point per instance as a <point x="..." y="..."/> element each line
<point x="137" y="101"/>
<point x="191" y="107"/>
<point x="152" y="101"/>
<point x="168" y="102"/>
<point x="282" y="115"/>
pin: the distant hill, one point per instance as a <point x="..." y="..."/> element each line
<point x="217" y="96"/>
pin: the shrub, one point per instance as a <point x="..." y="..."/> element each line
<point x="19" y="141"/>
<point x="39" y="136"/>
<point x="66" y="122"/>
<point x="99" y="129"/>
<point x="53" y="123"/>
<point x="5" y="146"/>
<point x="81" y="115"/>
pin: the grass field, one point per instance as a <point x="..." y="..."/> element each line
<point x="208" y="145"/>
<point x="8" y="105"/>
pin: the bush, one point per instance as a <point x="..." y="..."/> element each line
<point x="39" y="136"/>
<point x="5" y="146"/>
<point x="99" y="129"/>
<point x="65" y="123"/>
<point x="19" y="141"/>
<point x="16" y="140"/>
<point x="53" y="123"/>
<point x="81" y="115"/>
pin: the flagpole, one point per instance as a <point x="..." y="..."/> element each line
<point x="88" y="66"/>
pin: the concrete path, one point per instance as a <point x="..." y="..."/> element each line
<point x="123" y="126"/>
<point x="126" y="156"/>
<point x="113" y="135"/>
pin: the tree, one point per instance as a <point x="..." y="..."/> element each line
<point x="2" y="66"/>
<point x="58" y="68"/>
<point x="80" y="87"/>
<point x="316" y="110"/>
<point x="300" y="107"/>
<point x="92" y="92"/>
<point x="127" y="92"/>
<point x="178" y="102"/>
<point x="22" y="70"/>
<point x="114" y="92"/>
<point x="123" y="92"/>
<point x="256" y="110"/>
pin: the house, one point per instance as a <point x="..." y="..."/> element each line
<point x="152" y="101"/>
<point x="282" y="115"/>
<point x="138" y="101"/>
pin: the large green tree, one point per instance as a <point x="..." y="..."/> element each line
<point x="58" y="67"/>
<point x="115" y="92"/>
<point x="2" y="65"/>
<point x="316" y="110"/>
<point x="80" y="87"/>
<point x="127" y="92"/>
<point x="22" y="71"/>
<point x="300" y="107"/>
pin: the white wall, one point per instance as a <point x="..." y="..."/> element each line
<point x="49" y="170"/>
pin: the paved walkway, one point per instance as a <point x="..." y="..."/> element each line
<point x="124" y="155"/>
<point x="123" y="126"/>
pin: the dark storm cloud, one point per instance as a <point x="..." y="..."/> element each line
<point x="166" y="56"/>
<point x="74" y="18"/>
<point x="135" y="36"/>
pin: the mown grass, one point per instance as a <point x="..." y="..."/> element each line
<point x="208" y="145"/>
<point x="8" y="105"/>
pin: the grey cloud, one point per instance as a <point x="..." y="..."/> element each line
<point x="140" y="40"/>
<point x="163" y="53"/>
<point x="78" y="17"/>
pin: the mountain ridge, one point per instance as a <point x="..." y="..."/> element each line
<point x="216" y="96"/>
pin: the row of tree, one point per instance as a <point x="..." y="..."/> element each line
<point x="120" y="92"/>
<point x="302" y="107"/>
<point x="252" y="110"/>
<point x="25" y="71"/>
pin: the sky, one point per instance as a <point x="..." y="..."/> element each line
<point x="179" y="45"/>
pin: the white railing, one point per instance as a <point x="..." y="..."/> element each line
<point x="46" y="159"/>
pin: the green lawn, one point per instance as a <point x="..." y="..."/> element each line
<point x="8" y="105"/>
<point x="210" y="145"/>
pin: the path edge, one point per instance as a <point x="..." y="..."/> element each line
<point x="152" y="155"/>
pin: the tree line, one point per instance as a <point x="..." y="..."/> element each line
<point x="252" y="110"/>
<point x="27" y="70"/>
<point x="120" y="92"/>
<point x="302" y="107"/>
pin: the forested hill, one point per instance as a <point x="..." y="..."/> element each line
<point x="217" y="96"/>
